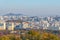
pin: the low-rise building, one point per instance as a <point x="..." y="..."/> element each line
<point x="26" y="25"/>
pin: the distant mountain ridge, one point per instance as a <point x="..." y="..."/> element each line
<point x="13" y="14"/>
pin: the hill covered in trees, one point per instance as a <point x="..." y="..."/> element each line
<point x="31" y="35"/>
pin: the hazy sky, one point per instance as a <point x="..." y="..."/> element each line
<point x="31" y="7"/>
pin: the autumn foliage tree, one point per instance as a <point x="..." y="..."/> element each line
<point x="31" y="35"/>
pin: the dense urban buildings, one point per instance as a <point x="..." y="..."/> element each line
<point x="17" y="22"/>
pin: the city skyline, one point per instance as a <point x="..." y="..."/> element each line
<point x="30" y="7"/>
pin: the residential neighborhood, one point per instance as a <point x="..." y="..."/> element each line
<point x="25" y="22"/>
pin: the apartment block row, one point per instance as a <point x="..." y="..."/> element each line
<point x="25" y="22"/>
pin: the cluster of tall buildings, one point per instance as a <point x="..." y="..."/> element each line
<point x="25" y="22"/>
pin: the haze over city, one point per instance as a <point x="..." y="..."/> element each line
<point x="31" y="7"/>
<point x="29" y="19"/>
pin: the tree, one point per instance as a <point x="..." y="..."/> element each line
<point x="4" y="38"/>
